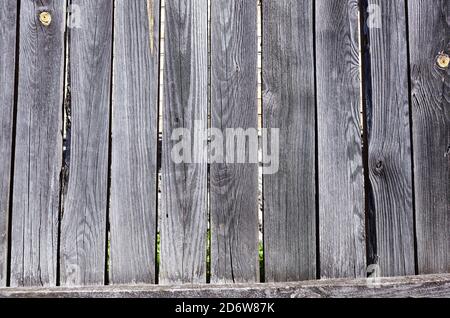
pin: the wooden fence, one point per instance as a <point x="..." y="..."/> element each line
<point x="358" y="89"/>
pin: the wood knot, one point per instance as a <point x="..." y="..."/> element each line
<point x="379" y="167"/>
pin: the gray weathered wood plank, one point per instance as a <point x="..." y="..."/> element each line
<point x="234" y="209"/>
<point x="83" y="228"/>
<point x="289" y="105"/>
<point x="8" y="28"/>
<point x="429" y="35"/>
<point x="437" y="286"/>
<point x="341" y="180"/>
<point x="134" y="141"/>
<point x="184" y="184"/>
<point x="389" y="139"/>
<point x="38" y="156"/>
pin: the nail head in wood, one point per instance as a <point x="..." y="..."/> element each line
<point x="45" y="18"/>
<point x="443" y="60"/>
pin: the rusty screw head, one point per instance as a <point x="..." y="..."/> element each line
<point x="443" y="60"/>
<point x="45" y="18"/>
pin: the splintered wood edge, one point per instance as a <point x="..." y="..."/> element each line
<point x="398" y="287"/>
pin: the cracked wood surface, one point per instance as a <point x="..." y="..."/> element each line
<point x="83" y="228"/>
<point x="38" y="156"/>
<point x="389" y="142"/>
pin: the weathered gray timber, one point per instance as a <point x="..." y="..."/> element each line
<point x="134" y="142"/>
<point x="38" y="156"/>
<point x="341" y="180"/>
<point x="184" y="214"/>
<point x="357" y="91"/>
<point x="437" y="286"/>
<point x="389" y="140"/>
<point x="83" y="230"/>
<point x="289" y="105"/>
<point x="234" y="214"/>
<point x="8" y="26"/>
<point x="429" y="35"/>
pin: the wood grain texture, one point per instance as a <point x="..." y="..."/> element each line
<point x="83" y="232"/>
<point x="134" y="142"/>
<point x="8" y="28"/>
<point x="38" y="156"/>
<point x="289" y="105"/>
<point x="234" y="212"/>
<point x="184" y="185"/>
<point x="341" y="180"/>
<point x="389" y="142"/>
<point x="429" y="35"/>
<point x="429" y="286"/>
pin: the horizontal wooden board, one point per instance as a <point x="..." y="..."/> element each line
<point x="401" y="287"/>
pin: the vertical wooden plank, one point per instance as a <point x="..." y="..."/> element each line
<point x="83" y="230"/>
<point x="134" y="141"/>
<point x="38" y="145"/>
<point x="8" y="28"/>
<point x="429" y="34"/>
<point x="341" y="180"/>
<point x="289" y="105"/>
<point x="389" y="135"/>
<point x="234" y="212"/>
<point x="184" y="184"/>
